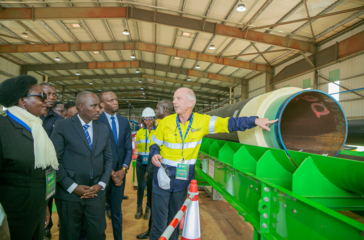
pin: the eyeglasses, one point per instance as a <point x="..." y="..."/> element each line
<point x="42" y="96"/>
<point x="150" y="118"/>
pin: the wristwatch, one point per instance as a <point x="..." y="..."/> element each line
<point x="125" y="169"/>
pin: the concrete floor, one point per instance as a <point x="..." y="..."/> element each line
<point x="218" y="219"/>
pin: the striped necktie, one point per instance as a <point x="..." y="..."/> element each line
<point x="87" y="135"/>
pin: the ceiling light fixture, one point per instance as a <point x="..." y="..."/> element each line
<point x="90" y="83"/>
<point x="140" y="81"/>
<point x="78" y="74"/>
<point x="188" y="79"/>
<point x="96" y="52"/>
<point x="186" y="34"/>
<point x="99" y="90"/>
<point x="24" y="35"/>
<point x="141" y="88"/>
<point x="126" y="32"/>
<point x="177" y="58"/>
<point x="76" y="25"/>
<point x="143" y="93"/>
<point x="212" y="47"/>
<point x="132" y="56"/>
<point x="57" y="59"/>
<point x="197" y="66"/>
<point x="241" y="7"/>
<point x="137" y="71"/>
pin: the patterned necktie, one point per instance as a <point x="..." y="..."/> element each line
<point x="114" y="131"/>
<point x="87" y="135"/>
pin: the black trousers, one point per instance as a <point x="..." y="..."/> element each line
<point x="26" y="210"/>
<point x="150" y="194"/>
<point x="165" y="206"/>
<point x="90" y="212"/>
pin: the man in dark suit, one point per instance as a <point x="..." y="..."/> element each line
<point x="49" y="119"/>
<point x="85" y="165"/>
<point x="121" y="145"/>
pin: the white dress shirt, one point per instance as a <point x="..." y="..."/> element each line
<point x="110" y="122"/>
<point x="91" y="134"/>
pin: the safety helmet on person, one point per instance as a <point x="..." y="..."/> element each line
<point x="148" y="112"/>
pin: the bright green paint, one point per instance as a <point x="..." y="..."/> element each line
<point x="318" y="183"/>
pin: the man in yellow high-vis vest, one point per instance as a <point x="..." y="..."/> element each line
<point x="177" y="143"/>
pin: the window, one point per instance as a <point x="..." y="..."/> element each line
<point x="334" y="88"/>
<point x="306" y="84"/>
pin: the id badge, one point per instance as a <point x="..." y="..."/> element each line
<point x="144" y="159"/>
<point x="50" y="183"/>
<point x="182" y="171"/>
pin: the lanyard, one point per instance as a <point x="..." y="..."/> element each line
<point x="146" y="137"/>
<point x="18" y="120"/>
<point x="180" y="131"/>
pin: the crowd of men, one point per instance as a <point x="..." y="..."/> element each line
<point x="83" y="190"/>
<point x="94" y="148"/>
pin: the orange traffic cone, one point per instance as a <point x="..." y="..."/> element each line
<point x="191" y="226"/>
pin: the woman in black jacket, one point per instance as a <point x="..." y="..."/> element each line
<point x="27" y="158"/>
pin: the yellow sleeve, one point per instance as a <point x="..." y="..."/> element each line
<point x="151" y="138"/>
<point x="158" y="137"/>
<point x="214" y="124"/>
<point x="137" y="137"/>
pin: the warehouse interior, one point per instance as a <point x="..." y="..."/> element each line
<point x="226" y="51"/>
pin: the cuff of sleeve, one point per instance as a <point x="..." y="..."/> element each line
<point x="252" y="121"/>
<point x="126" y="166"/>
<point x="102" y="184"/>
<point x="72" y="187"/>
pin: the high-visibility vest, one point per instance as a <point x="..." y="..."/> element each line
<point x="140" y="141"/>
<point x="168" y="137"/>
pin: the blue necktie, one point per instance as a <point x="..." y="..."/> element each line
<point x="87" y="135"/>
<point x="114" y="131"/>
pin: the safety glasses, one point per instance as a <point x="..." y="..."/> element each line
<point x="150" y="118"/>
<point x="42" y="96"/>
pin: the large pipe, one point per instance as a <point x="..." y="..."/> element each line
<point x="309" y="121"/>
<point x="355" y="132"/>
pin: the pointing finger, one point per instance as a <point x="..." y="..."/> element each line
<point x="273" y="121"/>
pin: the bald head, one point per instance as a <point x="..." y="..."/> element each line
<point x="190" y="94"/>
<point x="184" y="100"/>
<point x="88" y="106"/>
<point x="164" y="108"/>
<point x="82" y="97"/>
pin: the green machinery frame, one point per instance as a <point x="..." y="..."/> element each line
<point x="296" y="196"/>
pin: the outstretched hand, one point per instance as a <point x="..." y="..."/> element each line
<point x="264" y="123"/>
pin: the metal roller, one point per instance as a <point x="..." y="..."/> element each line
<point x="309" y="121"/>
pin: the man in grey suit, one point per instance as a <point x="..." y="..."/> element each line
<point x="85" y="165"/>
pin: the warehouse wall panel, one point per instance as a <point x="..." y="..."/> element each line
<point x="256" y="86"/>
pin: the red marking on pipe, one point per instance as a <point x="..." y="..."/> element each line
<point x="310" y="99"/>
<point x="162" y="238"/>
<point x="318" y="114"/>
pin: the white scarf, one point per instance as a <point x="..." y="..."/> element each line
<point x="44" y="151"/>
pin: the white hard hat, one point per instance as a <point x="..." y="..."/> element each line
<point x="148" y="112"/>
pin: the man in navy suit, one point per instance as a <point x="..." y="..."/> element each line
<point x="121" y="145"/>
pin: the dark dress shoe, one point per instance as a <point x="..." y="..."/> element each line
<point x="125" y="197"/>
<point x="139" y="212"/>
<point x="144" y="235"/>
<point x="47" y="234"/>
